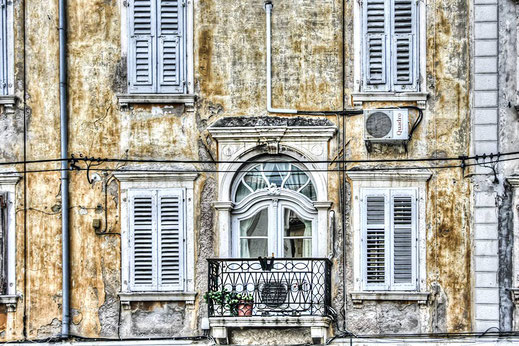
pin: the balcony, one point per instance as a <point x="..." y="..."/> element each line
<point x="285" y="292"/>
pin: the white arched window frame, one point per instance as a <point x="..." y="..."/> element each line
<point x="275" y="206"/>
<point x="275" y="199"/>
<point x="307" y="145"/>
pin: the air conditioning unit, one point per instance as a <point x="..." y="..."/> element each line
<point x="386" y="125"/>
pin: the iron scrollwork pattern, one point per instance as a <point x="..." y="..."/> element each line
<point x="293" y="287"/>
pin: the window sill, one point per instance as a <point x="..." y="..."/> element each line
<point x="128" y="297"/>
<point x="515" y="295"/>
<point x="360" y="97"/>
<point x="125" y="100"/>
<point x="9" y="103"/>
<point x="10" y="301"/>
<point x="359" y="298"/>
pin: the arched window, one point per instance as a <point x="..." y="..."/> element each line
<point x="274" y="212"/>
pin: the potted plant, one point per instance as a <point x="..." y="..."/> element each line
<point x="239" y="304"/>
<point x="244" y="304"/>
<point x="218" y="299"/>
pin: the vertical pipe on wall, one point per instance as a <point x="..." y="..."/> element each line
<point x="64" y="168"/>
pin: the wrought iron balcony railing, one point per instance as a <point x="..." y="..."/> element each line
<point x="284" y="287"/>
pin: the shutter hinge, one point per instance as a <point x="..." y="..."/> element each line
<point x="183" y="3"/>
<point x="126" y="4"/>
<point x="4" y="3"/>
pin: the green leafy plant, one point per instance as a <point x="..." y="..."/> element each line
<point x="228" y="299"/>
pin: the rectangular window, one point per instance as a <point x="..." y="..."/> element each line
<point x="390" y="45"/>
<point x="389" y="239"/>
<point x="157" y="233"/>
<point x="157" y="46"/>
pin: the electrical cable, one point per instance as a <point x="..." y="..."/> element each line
<point x="353" y="169"/>
<point x="422" y="159"/>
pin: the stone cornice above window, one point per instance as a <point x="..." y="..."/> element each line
<point x="125" y="100"/>
<point x="360" y="97"/>
<point x="255" y="133"/>
<point x="407" y="176"/>
<point x="154" y="176"/>
<point x="254" y="128"/>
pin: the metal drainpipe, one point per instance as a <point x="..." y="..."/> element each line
<point x="268" y="9"/>
<point x="65" y="324"/>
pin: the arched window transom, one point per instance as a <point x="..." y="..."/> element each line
<point x="268" y="175"/>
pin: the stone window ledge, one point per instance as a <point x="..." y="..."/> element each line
<point x="359" y="298"/>
<point x="125" y="100"/>
<point x="9" y="103"/>
<point x="360" y="97"/>
<point x="515" y="295"/>
<point x="10" y="301"/>
<point x="128" y="297"/>
<point x="319" y="325"/>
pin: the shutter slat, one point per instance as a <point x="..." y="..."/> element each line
<point x="171" y="47"/>
<point x="141" y="58"/>
<point x="403" y="46"/>
<point x="170" y="241"/>
<point x="403" y="239"/>
<point x="375" y="35"/>
<point x="142" y="229"/>
<point x="375" y="240"/>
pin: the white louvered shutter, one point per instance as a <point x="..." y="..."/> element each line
<point x="3" y="243"/>
<point x="143" y="225"/>
<point x="376" y="35"/>
<point x="403" y="205"/>
<point x="3" y="49"/>
<point x="404" y="59"/>
<point x="170" y="240"/>
<point x="171" y="46"/>
<point x="375" y="240"/>
<point x="142" y="46"/>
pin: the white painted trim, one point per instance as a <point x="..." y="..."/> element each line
<point x="188" y="297"/>
<point x="129" y="181"/>
<point x="189" y="41"/>
<point x="379" y="96"/>
<point x="270" y="321"/>
<point x="126" y="177"/>
<point x="252" y="134"/>
<point x="385" y="180"/>
<point x="405" y="176"/>
<point x="8" y="184"/>
<point x="361" y="297"/>
<point x="127" y="99"/>
<point x="357" y="52"/>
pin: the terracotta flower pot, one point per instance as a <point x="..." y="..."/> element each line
<point x="245" y="309"/>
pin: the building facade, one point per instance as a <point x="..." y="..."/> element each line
<point x="333" y="139"/>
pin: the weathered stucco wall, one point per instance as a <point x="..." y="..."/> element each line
<point x="229" y="66"/>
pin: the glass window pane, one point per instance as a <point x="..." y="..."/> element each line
<point x="275" y="172"/>
<point x="253" y="248"/>
<point x="309" y="191"/>
<point x="294" y="226"/>
<point x="296" y="248"/>
<point x="256" y="225"/>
